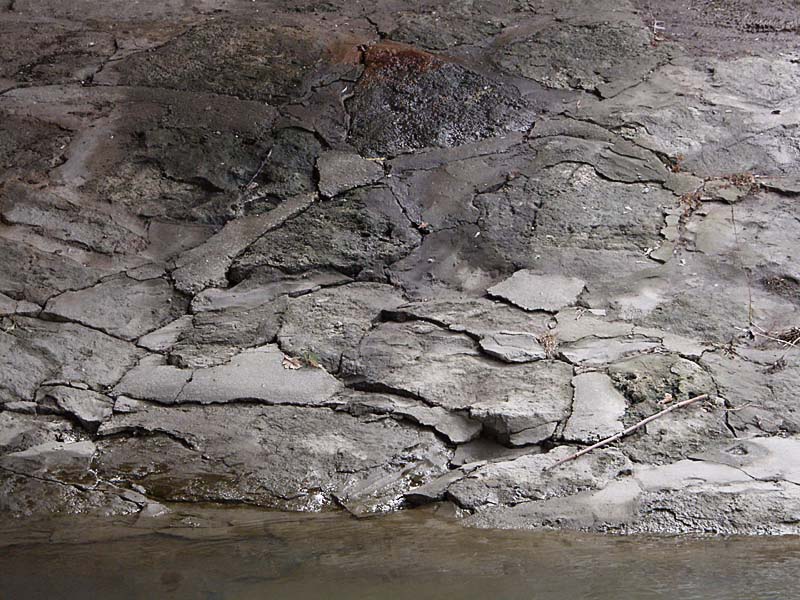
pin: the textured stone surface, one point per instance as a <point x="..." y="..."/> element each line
<point x="307" y="255"/>
<point x="342" y="171"/>
<point x="538" y="292"/>
<point x="122" y="307"/>
<point x="597" y="409"/>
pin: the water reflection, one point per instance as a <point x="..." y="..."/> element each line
<point x="243" y="554"/>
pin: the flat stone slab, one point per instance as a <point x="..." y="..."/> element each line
<point x="329" y="324"/>
<point x="88" y="407"/>
<point x="285" y="457"/>
<point x="342" y="171"/>
<point x="122" y="307"/>
<point x="513" y="347"/>
<point x="9" y="306"/>
<point x="457" y="427"/>
<point x="592" y="351"/>
<point x="256" y="375"/>
<point x="517" y="404"/>
<point x="597" y="409"/>
<point x="539" y="292"/>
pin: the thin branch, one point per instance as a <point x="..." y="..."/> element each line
<point x="629" y="430"/>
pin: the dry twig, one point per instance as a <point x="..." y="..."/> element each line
<point x="629" y="430"/>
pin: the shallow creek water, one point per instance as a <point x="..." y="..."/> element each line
<point x="242" y="554"/>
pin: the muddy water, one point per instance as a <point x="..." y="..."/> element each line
<point x="242" y="555"/>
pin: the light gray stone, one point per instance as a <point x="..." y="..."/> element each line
<point x="597" y="409"/>
<point x="342" y="171"/>
<point x="539" y="292"/>
<point x="513" y="347"/>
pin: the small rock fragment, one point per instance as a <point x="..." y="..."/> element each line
<point x="513" y="347"/>
<point x="597" y="409"/>
<point x="342" y="171"/>
<point x="539" y="292"/>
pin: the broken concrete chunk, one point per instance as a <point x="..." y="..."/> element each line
<point x="513" y="347"/>
<point x="597" y="409"/>
<point x="342" y="171"/>
<point x="539" y="292"/>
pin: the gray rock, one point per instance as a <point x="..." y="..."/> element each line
<point x="164" y="338"/>
<point x="343" y="171"/>
<point x="538" y="292"/>
<point x="356" y="234"/>
<point x="513" y="347"/>
<point x="68" y="463"/>
<point x="286" y="457"/>
<point x="594" y="351"/>
<point x="122" y="307"/>
<point x="484" y="450"/>
<point x="88" y="407"/>
<point x="207" y="265"/>
<point x="46" y="274"/>
<point x="519" y="404"/>
<point x="434" y="102"/>
<point x="597" y="409"/>
<point x="479" y="317"/>
<point x="527" y="479"/>
<point x="761" y="395"/>
<point x="36" y="351"/>
<point x="255" y="375"/>
<point x="21" y="406"/>
<point x="574" y="324"/>
<point x="328" y="325"/>
<point x="214" y="337"/>
<point x="457" y="427"/>
<point x="263" y="287"/>
<point x="765" y="459"/>
<point x="9" y="306"/>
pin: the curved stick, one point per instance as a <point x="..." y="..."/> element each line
<point x="630" y="429"/>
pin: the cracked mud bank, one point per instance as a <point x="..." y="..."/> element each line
<point x="320" y="255"/>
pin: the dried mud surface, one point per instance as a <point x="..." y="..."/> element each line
<point x="365" y="256"/>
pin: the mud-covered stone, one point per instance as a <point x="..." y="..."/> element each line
<point x="538" y="292"/>
<point x="358" y="233"/>
<point x="343" y="171"/>
<point x="327" y="326"/>
<point x="36" y="351"/>
<point x="285" y="457"/>
<point x="518" y="404"/>
<point x="122" y="307"/>
<point x="431" y="102"/>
